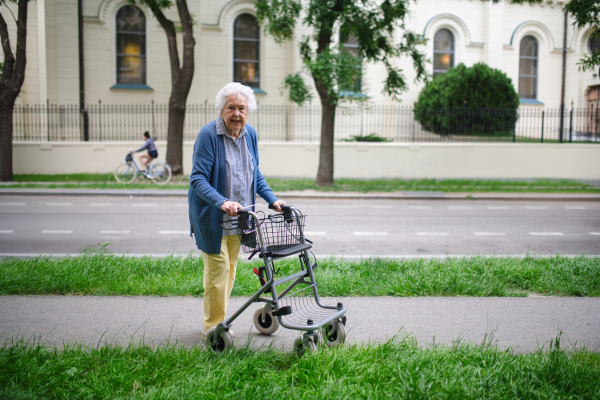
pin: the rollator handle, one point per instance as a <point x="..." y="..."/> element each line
<point x="284" y="208"/>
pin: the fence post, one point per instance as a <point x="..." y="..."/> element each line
<point x="542" y="138"/>
<point x="48" y="119"/>
<point x="100" y="119"/>
<point x="514" y="139"/>
<point x="562" y="122"/>
<point x="153" y="128"/>
<point x="571" y="127"/>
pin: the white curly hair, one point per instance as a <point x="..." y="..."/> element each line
<point x="235" y="88"/>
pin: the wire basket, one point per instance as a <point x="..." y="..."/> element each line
<point x="279" y="232"/>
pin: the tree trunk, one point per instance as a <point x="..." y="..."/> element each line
<point x="325" y="171"/>
<point x="175" y="136"/>
<point x="6" y="128"/>
<point x="13" y="75"/>
<point x="181" y="79"/>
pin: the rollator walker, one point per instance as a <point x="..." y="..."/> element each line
<point x="298" y="305"/>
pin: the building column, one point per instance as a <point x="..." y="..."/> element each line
<point x="494" y="18"/>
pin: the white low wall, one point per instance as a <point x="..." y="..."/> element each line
<point x="352" y="160"/>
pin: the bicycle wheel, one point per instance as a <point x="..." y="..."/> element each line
<point x="125" y="173"/>
<point x="160" y="173"/>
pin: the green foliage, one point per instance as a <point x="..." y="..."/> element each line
<point x="371" y="22"/>
<point x="468" y="100"/>
<point x="373" y="137"/>
<point x="299" y="92"/>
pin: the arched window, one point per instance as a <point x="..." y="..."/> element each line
<point x="351" y="46"/>
<point x="443" y="52"/>
<point x="131" y="46"/>
<point x="246" y="51"/>
<point x="594" y="43"/>
<point x="528" y="68"/>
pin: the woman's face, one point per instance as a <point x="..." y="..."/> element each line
<point x="234" y="114"/>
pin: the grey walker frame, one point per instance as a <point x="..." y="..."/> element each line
<point x="305" y="277"/>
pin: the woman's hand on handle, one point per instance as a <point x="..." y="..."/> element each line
<point x="277" y="205"/>
<point x="230" y="208"/>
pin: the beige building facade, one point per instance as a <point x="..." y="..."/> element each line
<point x="472" y="31"/>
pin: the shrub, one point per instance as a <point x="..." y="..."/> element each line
<point x="469" y="101"/>
<point x="373" y="137"/>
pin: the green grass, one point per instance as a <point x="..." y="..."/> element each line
<point x="398" y="368"/>
<point x="107" y="181"/>
<point x="102" y="273"/>
<point x="441" y="185"/>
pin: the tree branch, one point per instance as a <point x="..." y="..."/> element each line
<point x="9" y="57"/>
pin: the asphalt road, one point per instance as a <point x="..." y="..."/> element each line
<point x="352" y="228"/>
<point x="524" y="324"/>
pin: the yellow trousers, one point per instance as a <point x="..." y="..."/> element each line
<point x="219" y="275"/>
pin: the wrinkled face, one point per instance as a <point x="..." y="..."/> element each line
<point x="234" y="114"/>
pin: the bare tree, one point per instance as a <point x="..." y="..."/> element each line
<point x="11" y="80"/>
<point x="182" y="74"/>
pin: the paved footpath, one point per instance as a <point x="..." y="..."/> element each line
<point x="523" y="324"/>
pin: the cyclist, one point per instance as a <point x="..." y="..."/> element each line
<point x="151" y="148"/>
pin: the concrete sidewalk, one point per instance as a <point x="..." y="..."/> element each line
<point x="313" y="194"/>
<point x="524" y="324"/>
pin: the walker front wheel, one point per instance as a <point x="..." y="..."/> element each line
<point x="267" y="325"/>
<point x="219" y="344"/>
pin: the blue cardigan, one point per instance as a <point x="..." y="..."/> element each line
<point x="207" y="186"/>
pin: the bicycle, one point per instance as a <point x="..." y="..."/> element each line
<point x="158" y="172"/>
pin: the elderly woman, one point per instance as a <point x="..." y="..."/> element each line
<point x="225" y="178"/>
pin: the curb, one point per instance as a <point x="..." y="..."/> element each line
<point x="310" y="194"/>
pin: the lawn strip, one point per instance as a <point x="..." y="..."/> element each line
<point x="398" y="368"/>
<point x="107" y="274"/>
<point x="107" y="181"/>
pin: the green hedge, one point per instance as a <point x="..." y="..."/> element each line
<point x="476" y="100"/>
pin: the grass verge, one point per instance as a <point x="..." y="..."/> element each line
<point x="102" y="273"/>
<point x="107" y="181"/>
<point x="395" y="369"/>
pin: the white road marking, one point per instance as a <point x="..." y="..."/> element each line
<point x="101" y="204"/>
<point x="595" y="233"/>
<point x="378" y="207"/>
<point x="575" y="208"/>
<point x="12" y="204"/>
<point x="59" y="204"/>
<point x="144" y="205"/>
<point x="489" y="233"/>
<point x="115" y="232"/>
<point x="314" y="233"/>
<point x="537" y="208"/>
<point x="419" y="207"/>
<point x="174" y="232"/>
<point x="6" y="231"/>
<point x="182" y="205"/>
<point x="458" y="208"/>
<point x="343" y="207"/>
<point x="53" y="231"/>
<point x="370" y="233"/>
<point x="498" y="208"/>
<point x="432" y="234"/>
<point x="546" y="233"/>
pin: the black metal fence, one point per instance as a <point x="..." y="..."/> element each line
<point x="123" y="122"/>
